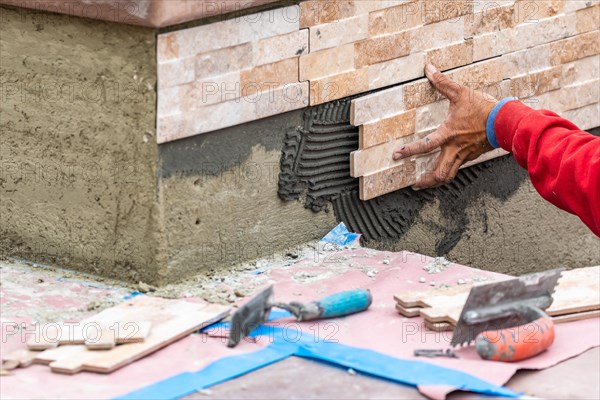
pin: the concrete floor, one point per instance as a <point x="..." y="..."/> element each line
<point x="296" y="378"/>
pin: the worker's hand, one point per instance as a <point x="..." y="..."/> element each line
<point x="462" y="136"/>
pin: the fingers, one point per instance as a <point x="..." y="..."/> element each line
<point x="425" y="145"/>
<point x="443" y="84"/>
<point x="446" y="168"/>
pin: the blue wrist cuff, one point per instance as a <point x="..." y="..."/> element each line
<point x="489" y="128"/>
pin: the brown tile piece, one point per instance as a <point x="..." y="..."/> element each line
<point x="492" y="19"/>
<point x="531" y="11"/>
<point x="536" y="83"/>
<point x="316" y="12"/>
<point x="274" y="75"/>
<point x="381" y="48"/>
<point x="574" y="48"/>
<point x="396" y="19"/>
<point x="387" y="181"/>
<point x="440" y="10"/>
<point x="588" y="19"/>
<point x="476" y="76"/>
<point x="338" y="86"/>
<point x="167" y="47"/>
<point x="328" y="62"/>
<point x="386" y="129"/>
<point x="453" y="56"/>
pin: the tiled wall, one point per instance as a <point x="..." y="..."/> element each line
<point x="551" y="63"/>
<point x="226" y="73"/>
<point x="239" y="70"/>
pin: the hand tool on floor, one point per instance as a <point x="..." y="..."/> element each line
<point x="431" y="353"/>
<point x="256" y="311"/>
<point x="507" y="319"/>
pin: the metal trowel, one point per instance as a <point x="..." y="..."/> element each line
<point x="507" y="319"/>
<point x="255" y="312"/>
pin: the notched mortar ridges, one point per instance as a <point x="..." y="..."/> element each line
<point x="315" y="163"/>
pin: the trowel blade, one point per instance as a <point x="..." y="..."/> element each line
<point x="498" y="305"/>
<point x="250" y="316"/>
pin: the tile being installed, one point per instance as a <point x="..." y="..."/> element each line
<point x="230" y="72"/>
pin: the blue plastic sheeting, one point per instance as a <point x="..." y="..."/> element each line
<point x="219" y="371"/>
<point x="289" y="342"/>
<point x="340" y="236"/>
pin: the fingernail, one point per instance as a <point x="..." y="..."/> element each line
<point x="416" y="188"/>
<point x="431" y="69"/>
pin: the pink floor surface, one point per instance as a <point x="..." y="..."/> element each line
<point x="381" y="328"/>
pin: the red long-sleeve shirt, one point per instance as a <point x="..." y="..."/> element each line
<point x="563" y="161"/>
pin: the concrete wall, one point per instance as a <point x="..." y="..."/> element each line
<point x="219" y="192"/>
<point x="78" y="151"/>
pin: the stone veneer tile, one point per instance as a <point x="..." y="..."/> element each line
<point x="176" y="72"/>
<point x="337" y="33"/>
<point x="232" y="32"/>
<point x="204" y="92"/>
<point x="437" y="35"/>
<point x="571" y="6"/>
<point x="453" y="56"/>
<point x="234" y="112"/>
<point x="387" y="129"/>
<point x="588" y="19"/>
<point x="353" y="46"/>
<point x="580" y="71"/>
<point x="587" y="117"/>
<point x="574" y="48"/>
<point x="373" y="107"/>
<point x="396" y="19"/>
<point x="274" y="75"/>
<point x="526" y="61"/>
<point x="230" y="72"/>
<point x="524" y="36"/>
<point x="440" y="10"/>
<point x="365" y="7"/>
<point x="317" y="12"/>
<point x="280" y="47"/>
<point x="338" y="86"/>
<point x="328" y="62"/>
<point x="397" y="70"/>
<point x="431" y="116"/>
<point x="534" y="84"/>
<point x="493" y="19"/>
<point x="223" y="61"/>
<point x="381" y="48"/>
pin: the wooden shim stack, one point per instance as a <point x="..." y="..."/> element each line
<point x="577" y="296"/>
<point x="171" y="320"/>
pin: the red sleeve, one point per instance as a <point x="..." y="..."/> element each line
<point x="563" y="161"/>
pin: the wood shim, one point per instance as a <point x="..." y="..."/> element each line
<point x="171" y="320"/>
<point x="577" y="296"/>
<point x="95" y="333"/>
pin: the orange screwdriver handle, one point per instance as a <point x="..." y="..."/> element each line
<point x="518" y="343"/>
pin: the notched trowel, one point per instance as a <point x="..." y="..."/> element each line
<point x="255" y="312"/>
<point x="507" y="319"/>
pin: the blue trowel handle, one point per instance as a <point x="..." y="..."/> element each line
<point x="345" y="303"/>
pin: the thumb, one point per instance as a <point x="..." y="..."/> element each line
<point x="443" y="84"/>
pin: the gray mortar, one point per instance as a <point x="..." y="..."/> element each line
<point x="490" y="216"/>
<point x="79" y="167"/>
<point x="219" y="192"/>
